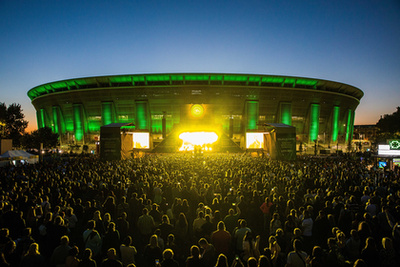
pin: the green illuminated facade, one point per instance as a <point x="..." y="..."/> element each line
<point x="286" y="113"/>
<point x="159" y="103"/>
<point x="335" y="123"/>
<point x="314" y="122"/>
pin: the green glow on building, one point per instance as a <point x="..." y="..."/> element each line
<point x="335" y="123"/>
<point x="41" y="119"/>
<point x="78" y="124"/>
<point x="272" y="80"/>
<point x="55" y="120"/>
<point x="94" y="126"/>
<point x="216" y="77"/>
<point x="235" y="78"/>
<point x="107" y="113"/>
<point x="286" y="113"/>
<point x="314" y="122"/>
<point x="141" y="115"/>
<point x="252" y="115"/>
<point x="156" y="125"/>
<point x="98" y="82"/>
<point x="349" y="128"/>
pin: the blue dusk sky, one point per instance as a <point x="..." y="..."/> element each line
<point x="353" y="42"/>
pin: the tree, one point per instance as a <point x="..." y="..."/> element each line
<point x="12" y="123"/>
<point x="43" y="135"/>
<point x="389" y="126"/>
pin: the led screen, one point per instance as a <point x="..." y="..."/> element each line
<point x="254" y="140"/>
<point x="141" y="140"/>
<point x="382" y="164"/>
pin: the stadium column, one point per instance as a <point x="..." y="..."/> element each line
<point x="285" y="113"/>
<point x="314" y="122"/>
<point x="40" y="115"/>
<point x="55" y="120"/>
<point x="164" y="125"/>
<point x="107" y="113"/>
<point x="231" y="121"/>
<point x="78" y="122"/>
<point x="335" y="123"/>
<point x="142" y="115"/>
<point x="58" y="122"/>
<point x="251" y="114"/>
<point x="349" y="126"/>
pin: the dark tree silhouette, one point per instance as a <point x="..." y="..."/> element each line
<point x="12" y="123"/>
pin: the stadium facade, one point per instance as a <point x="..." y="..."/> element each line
<point x="232" y="103"/>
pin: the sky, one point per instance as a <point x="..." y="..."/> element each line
<point x="353" y="42"/>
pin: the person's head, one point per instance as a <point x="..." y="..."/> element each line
<point x="387" y="243"/>
<point x="165" y="219"/>
<point x="97" y="215"/>
<point x="203" y="243"/>
<point x="222" y="261"/>
<point x="4" y="232"/>
<point x="111" y="227"/>
<point x="87" y="254"/>
<point x="194" y="251"/>
<point x="153" y="241"/>
<point x="64" y="240"/>
<point x="168" y="254"/>
<point x="252" y="262"/>
<point x="171" y="238"/>
<point x="91" y="224"/>
<point x="297" y="245"/>
<point x="332" y="242"/>
<point x="243" y="223"/>
<point x="127" y="241"/>
<point x="74" y="251"/>
<point x="33" y="249"/>
<point x="370" y="243"/>
<point x="27" y="231"/>
<point x="107" y="217"/>
<point x="359" y="263"/>
<point x="111" y="253"/>
<point x="297" y="232"/>
<point x="145" y="211"/>
<point x="221" y="226"/>
<point x="271" y="240"/>
<point x="317" y="252"/>
<point x="263" y="261"/>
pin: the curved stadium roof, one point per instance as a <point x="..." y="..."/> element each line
<point x="180" y="79"/>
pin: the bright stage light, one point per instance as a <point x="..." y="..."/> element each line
<point x="197" y="110"/>
<point x="141" y="140"/>
<point x="202" y="139"/>
<point x="254" y="140"/>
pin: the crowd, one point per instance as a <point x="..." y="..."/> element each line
<point x="200" y="210"/>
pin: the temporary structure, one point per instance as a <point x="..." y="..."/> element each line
<point x="19" y="155"/>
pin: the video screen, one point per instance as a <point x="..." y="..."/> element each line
<point x="396" y="162"/>
<point x="255" y="140"/>
<point x="382" y="164"/>
<point x="141" y="140"/>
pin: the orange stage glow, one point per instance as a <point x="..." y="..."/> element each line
<point x="202" y="139"/>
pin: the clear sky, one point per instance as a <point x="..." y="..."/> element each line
<point x="354" y="42"/>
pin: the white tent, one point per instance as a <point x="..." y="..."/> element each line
<point x="20" y="155"/>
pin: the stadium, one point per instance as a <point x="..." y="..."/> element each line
<point x="156" y="109"/>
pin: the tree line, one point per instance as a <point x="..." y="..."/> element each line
<point x="13" y="126"/>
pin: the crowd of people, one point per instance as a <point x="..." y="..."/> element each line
<point x="200" y="210"/>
